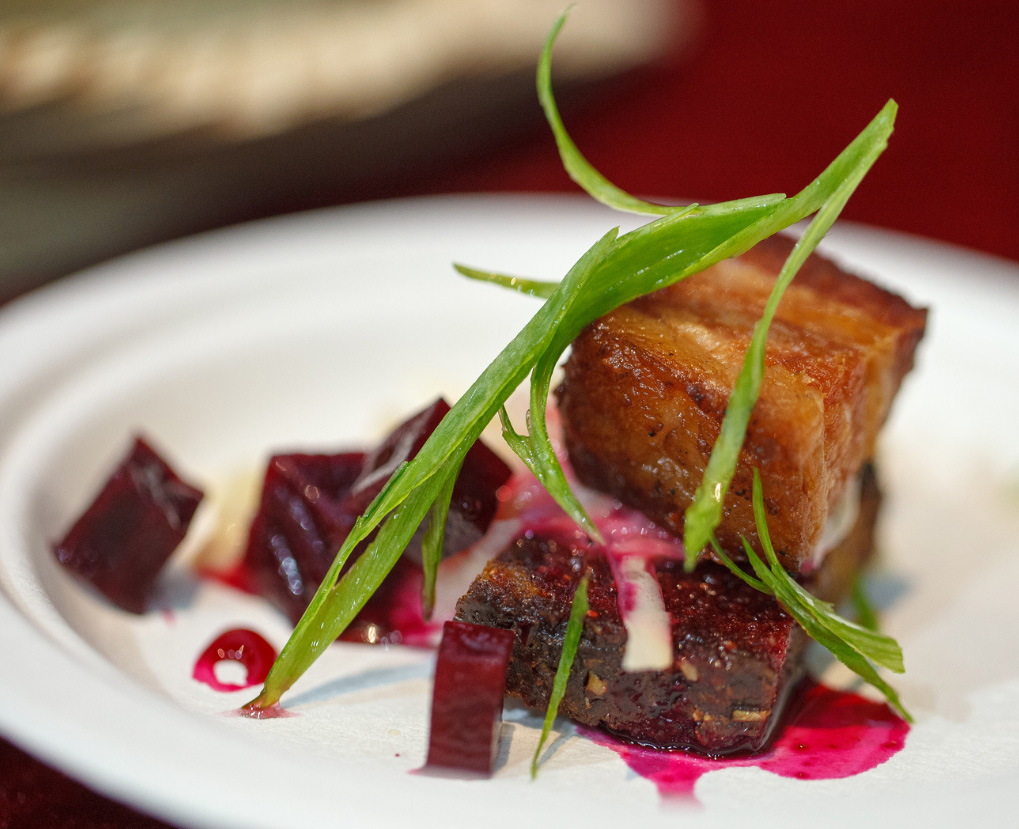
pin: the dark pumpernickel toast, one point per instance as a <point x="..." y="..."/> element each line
<point x="737" y="654"/>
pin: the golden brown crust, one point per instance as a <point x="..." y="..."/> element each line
<point x="646" y="387"/>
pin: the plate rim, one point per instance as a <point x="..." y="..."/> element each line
<point x="99" y="283"/>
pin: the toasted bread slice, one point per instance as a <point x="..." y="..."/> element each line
<point x="736" y="654"/>
<point x="646" y="387"/>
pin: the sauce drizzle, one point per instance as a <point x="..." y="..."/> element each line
<point x="835" y="734"/>
<point x="238" y="645"/>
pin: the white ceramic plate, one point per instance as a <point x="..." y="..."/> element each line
<point x="317" y="331"/>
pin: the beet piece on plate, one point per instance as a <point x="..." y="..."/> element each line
<point x="310" y="502"/>
<point x="470" y="680"/>
<point x="473" y="504"/>
<point x="300" y="524"/>
<point x="121" y="542"/>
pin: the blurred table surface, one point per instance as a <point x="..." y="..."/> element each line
<point x="768" y="94"/>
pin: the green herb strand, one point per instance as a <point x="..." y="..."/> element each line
<point x="433" y="538"/>
<point x="523" y="285"/>
<point x="571" y="640"/>
<point x="705" y="513"/>
<point x="578" y="167"/>
<point x="854" y="646"/>
<point x="615" y="270"/>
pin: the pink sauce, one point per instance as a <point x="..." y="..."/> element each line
<point x="835" y="734"/>
<point x="257" y="712"/>
<point x="627" y="532"/>
<point x="238" y="645"/>
<point x="403" y="614"/>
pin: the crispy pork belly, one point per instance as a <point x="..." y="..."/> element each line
<point x="737" y="655"/>
<point x="646" y="387"/>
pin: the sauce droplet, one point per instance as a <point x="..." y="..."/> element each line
<point x="836" y="734"/>
<point x="256" y="712"/>
<point x="239" y="645"/>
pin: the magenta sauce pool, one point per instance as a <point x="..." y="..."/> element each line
<point x="836" y="734"/>
<point x="239" y="645"/>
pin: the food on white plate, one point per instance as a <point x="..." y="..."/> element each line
<point x="701" y="660"/>
<point x="731" y="411"/>
<point x="125" y="536"/>
<point x="309" y="504"/>
<point x="808" y="472"/>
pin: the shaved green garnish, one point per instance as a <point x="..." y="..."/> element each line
<point x="571" y="639"/>
<point x="853" y="645"/>
<point x="530" y="287"/>
<point x="705" y="513"/>
<point x="578" y="167"/>
<point x="431" y="542"/>
<point x="614" y="271"/>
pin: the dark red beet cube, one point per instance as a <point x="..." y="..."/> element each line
<point x="473" y="504"/>
<point x="470" y="682"/>
<point x="300" y="524"/>
<point x="310" y="502"/>
<point x="400" y="445"/>
<point x="125" y="537"/>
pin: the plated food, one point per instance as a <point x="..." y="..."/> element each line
<point x="648" y="418"/>
<point x="668" y="657"/>
<point x="642" y="402"/>
<point x="133" y="674"/>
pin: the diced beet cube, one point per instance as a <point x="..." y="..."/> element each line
<point x="310" y="502"/>
<point x="400" y="445"/>
<point x="473" y="504"/>
<point x="300" y="524"/>
<point x="470" y="682"/>
<point x="124" y="538"/>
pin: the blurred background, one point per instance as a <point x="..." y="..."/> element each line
<point x="128" y="122"/>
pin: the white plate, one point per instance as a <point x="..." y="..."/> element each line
<point x="317" y="330"/>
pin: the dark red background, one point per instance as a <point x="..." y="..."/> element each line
<point x="772" y="91"/>
<point x="768" y="95"/>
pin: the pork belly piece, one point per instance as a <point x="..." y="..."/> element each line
<point x="646" y="387"/>
<point x="737" y="656"/>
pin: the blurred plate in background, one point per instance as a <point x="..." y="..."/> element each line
<point x="125" y="122"/>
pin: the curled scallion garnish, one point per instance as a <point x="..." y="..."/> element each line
<point x="864" y="611"/>
<point x="614" y="271"/>
<point x="578" y="167"/>
<point x="705" y="513"/>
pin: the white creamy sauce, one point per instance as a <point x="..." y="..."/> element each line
<point x="648" y="627"/>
